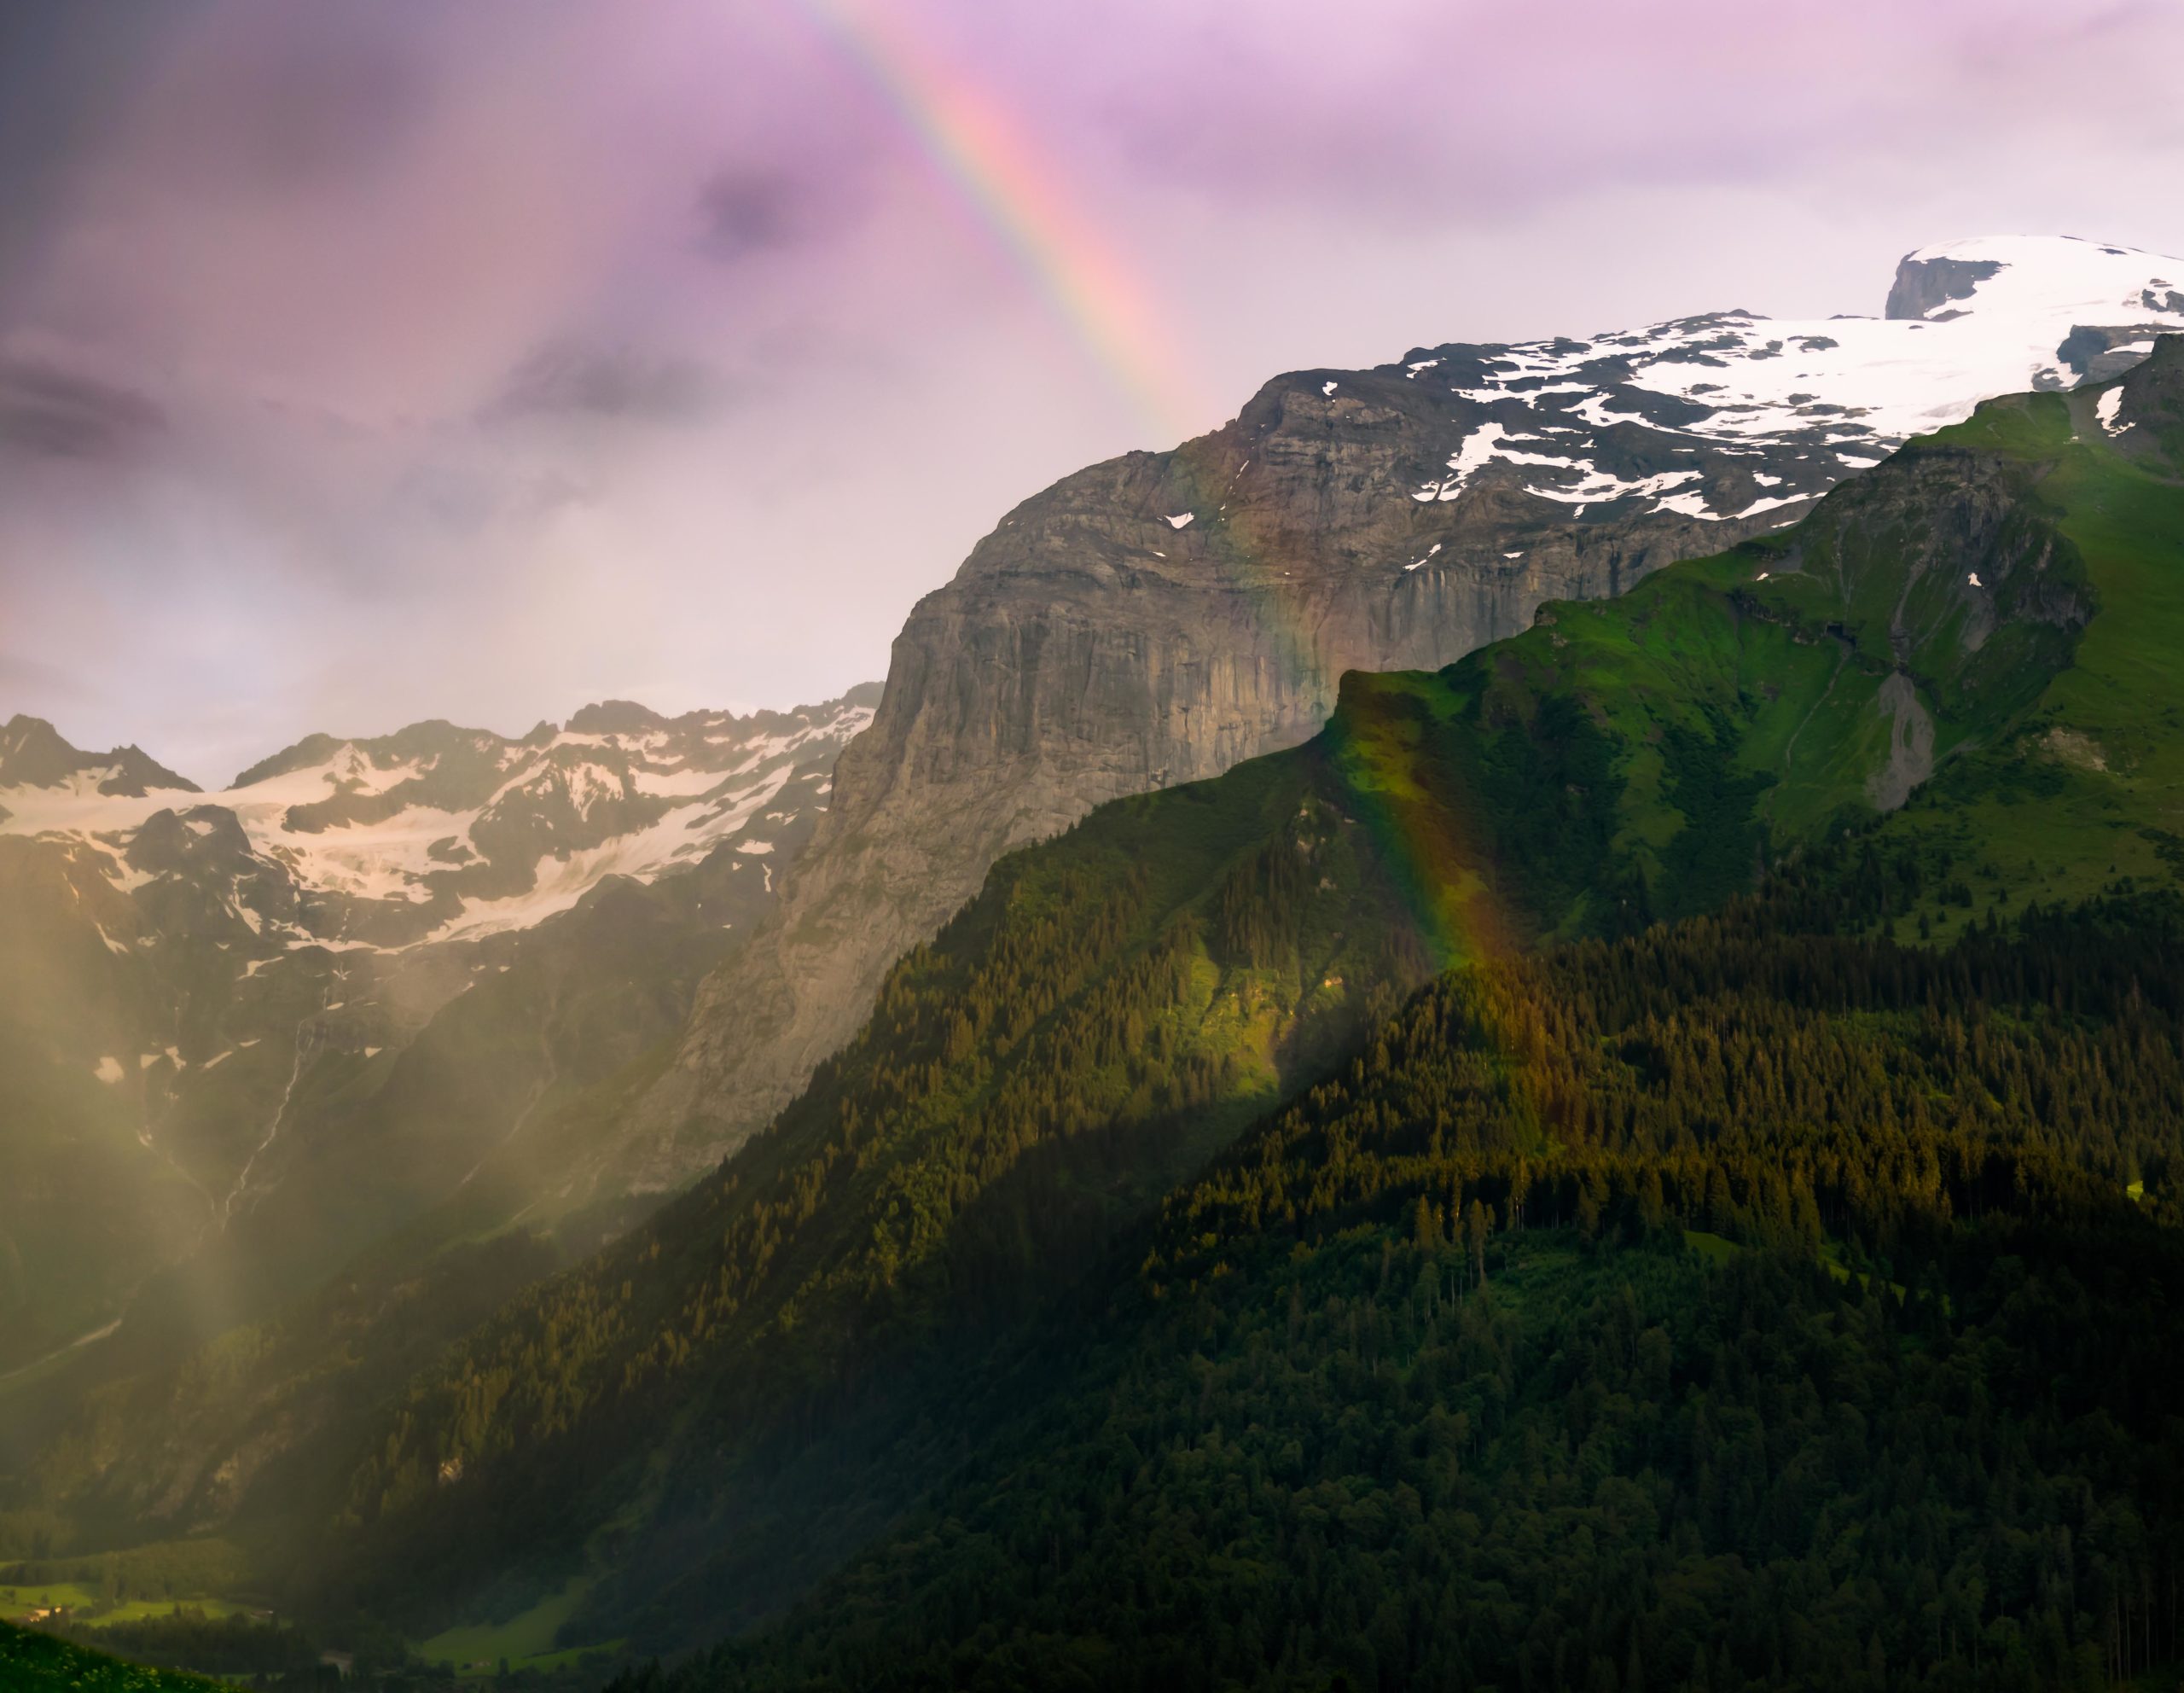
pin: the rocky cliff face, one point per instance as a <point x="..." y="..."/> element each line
<point x="1090" y="649"/>
<point x="1159" y="618"/>
<point x="1924" y="287"/>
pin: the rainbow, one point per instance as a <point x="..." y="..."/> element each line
<point x="996" y="173"/>
<point x="1000" y="179"/>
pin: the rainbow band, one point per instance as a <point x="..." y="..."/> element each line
<point x="998" y="175"/>
<point x="996" y="171"/>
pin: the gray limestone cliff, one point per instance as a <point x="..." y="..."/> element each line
<point x="1096" y="644"/>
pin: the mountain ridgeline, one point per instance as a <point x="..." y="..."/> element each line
<point x="1152" y="620"/>
<point x="1932" y="711"/>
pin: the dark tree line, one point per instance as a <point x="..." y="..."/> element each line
<point x="1721" y="1308"/>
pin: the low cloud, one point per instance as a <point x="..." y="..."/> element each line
<point x="743" y="213"/>
<point x="580" y="379"/>
<point x="49" y="412"/>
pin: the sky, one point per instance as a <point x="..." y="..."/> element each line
<point x="361" y="363"/>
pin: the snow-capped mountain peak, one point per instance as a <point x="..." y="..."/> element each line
<point x="437" y="832"/>
<point x="32" y="754"/>
<point x="1623" y="423"/>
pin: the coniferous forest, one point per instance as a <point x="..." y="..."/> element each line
<point x="1723" y="1307"/>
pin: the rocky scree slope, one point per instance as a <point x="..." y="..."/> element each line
<point x="1156" y="618"/>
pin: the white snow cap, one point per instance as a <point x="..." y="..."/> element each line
<point x="1850" y="389"/>
<point x="686" y="793"/>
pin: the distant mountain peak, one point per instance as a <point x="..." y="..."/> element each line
<point x="439" y="831"/>
<point x="1924" y="286"/>
<point x="616" y="717"/>
<point x="33" y="754"/>
<point x="1966" y="321"/>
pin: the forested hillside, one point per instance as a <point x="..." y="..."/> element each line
<point x="1502" y="1017"/>
<point x="1108" y="1015"/>
<point x="1726" y="1307"/>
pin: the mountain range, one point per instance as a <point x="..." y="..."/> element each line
<point x="1278" y="879"/>
<point x="353" y="972"/>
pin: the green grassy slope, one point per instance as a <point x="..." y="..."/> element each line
<point x="1644" y="757"/>
<point x="1116" y="1004"/>
<point x="2092" y="785"/>
<point x="31" y="1662"/>
<point x="1740" y="704"/>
